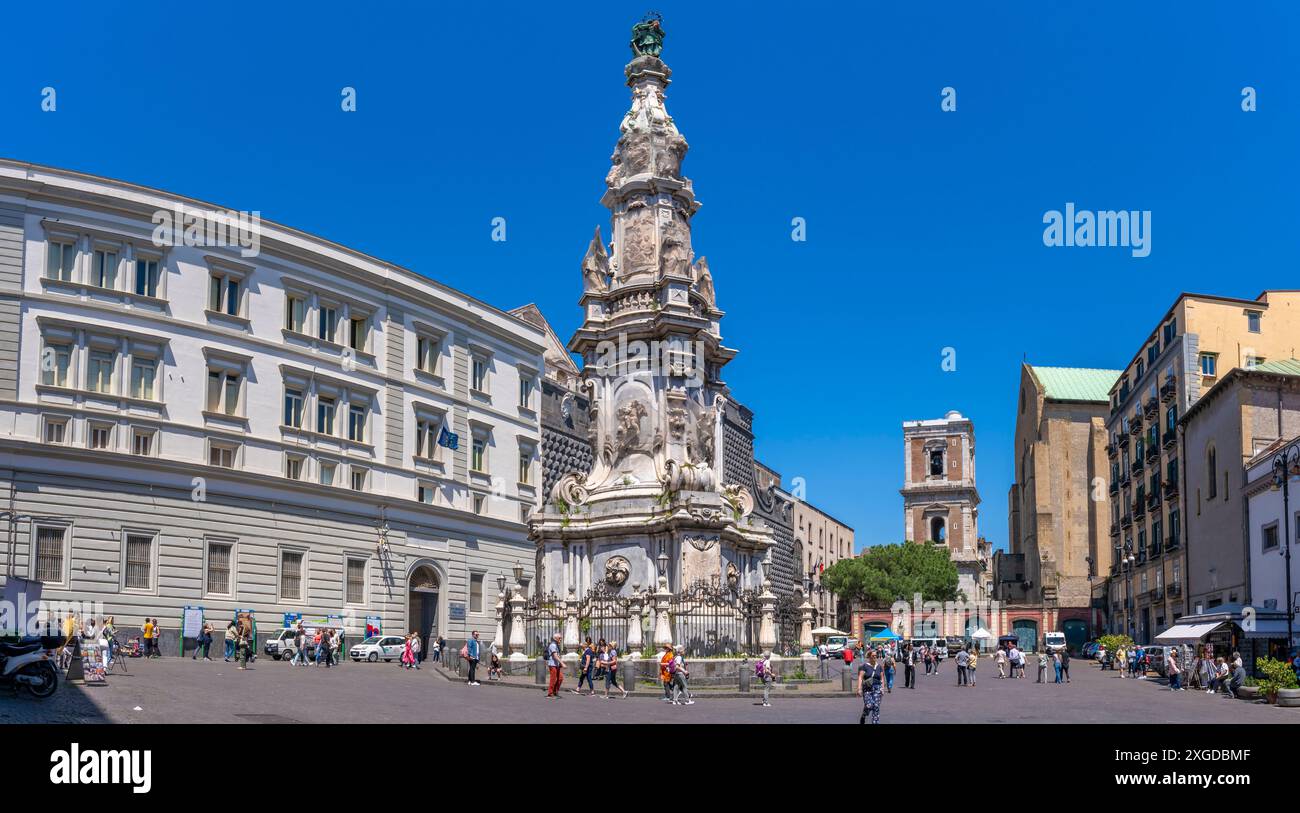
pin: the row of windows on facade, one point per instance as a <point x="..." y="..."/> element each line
<point x="225" y="454"/>
<point x="219" y="575"/>
<point x="1207" y="361"/>
<point x="341" y="324"/>
<point x="1145" y="577"/>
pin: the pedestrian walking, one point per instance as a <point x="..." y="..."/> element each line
<point x="1174" y="671"/>
<point x="415" y="650"/>
<point x="405" y="660"/>
<point x="1065" y="664"/>
<point x="241" y="648"/>
<point x="586" y="667"/>
<point x="963" y="659"/>
<point x="609" y="657"/>
<point x="1121" y="659"/>
<point x="1056" y="664"/>
<point x="928" y="657"/>
<point x="909" y="666"/>
<point x="437" y="650"/>
<point x="204" y="642"/>
<point x="1043" y="657"/>
<point x="1013" y="658"/>
<point x="1000" y="657"/>
<point x="869" y="681"/>
<point x="146" y="630"/>
<point x="472" y="655"/>
<point x="889" y="671"/>
<point x="971" y="665"/>
<point x="230" y="641"/>
<point x="681" y="694"/>
<point x="764" y="672"/>
<point x="554" y="666"/>
<point x="326" y="637"/>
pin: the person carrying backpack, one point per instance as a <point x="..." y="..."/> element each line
<point x="681" y="694"/>
<point x="870" y="676"/>
<point x="666" y="672"/>
<point x="555" y="666"/>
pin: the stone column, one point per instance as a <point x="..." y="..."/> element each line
<point x="806" y="611"/>
<point x="571" y="641"/>
<point x="633" y="645"/>
<point x="767" y="627"/>
<point x="517" y="624"/>
<point x="663" y="629"/>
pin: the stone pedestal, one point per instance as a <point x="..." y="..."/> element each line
<point x="499" y="639"/>
<point x="767" y="627"/>
<point x="571" y="638"/>
<point x="806" y="611"/>
<point x="663" y="629"/>
<point x="633" y="645"/>
<point x="517" y="622"/>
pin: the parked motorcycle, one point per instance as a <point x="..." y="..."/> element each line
<point x="28" y="665"/>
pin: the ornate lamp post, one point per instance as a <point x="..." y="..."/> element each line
<point x="1127" y="562"/>
<point x="662" y="600"/>
<point x="806" y="611"/>
<point x="499" y="639"/>
<point x="767" y="626"/>
<point x="1286" y="464"/>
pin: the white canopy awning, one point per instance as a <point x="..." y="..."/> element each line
<point x="981" y="633"/>
<point x="1187" y="633"/>
<point x="827" y="631"/>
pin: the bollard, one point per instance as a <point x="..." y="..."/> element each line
<point x="540" y="675"/>
<point x="744" y="675"/>
<point x="846" y="680"/>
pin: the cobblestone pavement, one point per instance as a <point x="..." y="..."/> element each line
<point x="179" y="690"/>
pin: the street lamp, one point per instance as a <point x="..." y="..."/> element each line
<point x="501" y="584"/>
<point x="1129" y="604"/>
<point x="519" y="572"/>
<point x="663" y="562"/>
<point x="1286" y="464"/>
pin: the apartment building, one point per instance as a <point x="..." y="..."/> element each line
<point x="1197" y="342"/>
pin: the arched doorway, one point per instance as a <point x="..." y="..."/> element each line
<point x="422" y="597"/>
<point x="1076" y="633"/>
<point x="1026" y="630"/>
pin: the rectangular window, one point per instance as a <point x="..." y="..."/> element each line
<point x="139" y="562"/>
<point x="1253" y="361"/>
<point x="290" y="575"/>
<point x="325" y="415"/>
<point x="426" y="438"/>
<point x="356" y="589"/>
<point x="424" y="493"/>
<point x="525" y="465"/>
<point x="426" y="354"/>
<point x="1252" y="321"/>
<point x="356" y="423"/>
<point x="100" y="436"/>
<point x="49" y="554"/>
<point x="293" y="467"/>
<point x="479" y="381"/>
<point x="105" y="269"/>
<point x="143" y="371"/>
<point x="525" y="392"/>
<point x="295" y="314"/>
<point x="218" y="577"/>
<point x="478" y="458"/>
<point x="478" y="503"/>
<point x="1270" y="537"/>
<point x="357" y="333"/>
<point x="60" y="259"/>
<point x="358" y="479"/>
<point x="56" y="360"/>
<point x="146" y="278"/>
<point x="224" y="294"/>
<point x="1209" y="364"/>
<point x="476" y="592"/>
<point x="142" y="442"/>
<point x="223" y="391"/>
<point x="99" y="371"/>
<point x="328" y="323"/>
<point x="293" y="408"/>
<point x="55" y="430"/>
<point x="327" y="473"/>
<point x="221" y="454"/>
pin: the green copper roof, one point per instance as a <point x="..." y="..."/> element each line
<point x="1280" y="367"/>
<point x="1076" y="383"/>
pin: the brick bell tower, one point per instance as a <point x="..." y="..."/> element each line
<point x="940" y="500"/>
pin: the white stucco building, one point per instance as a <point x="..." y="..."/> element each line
<point x="188" y="425"/>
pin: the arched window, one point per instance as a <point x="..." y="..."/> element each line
<point x="938" y="530"/>
<point x="1212" y="470"/>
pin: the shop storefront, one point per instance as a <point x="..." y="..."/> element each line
<point x="1253" y="633"/>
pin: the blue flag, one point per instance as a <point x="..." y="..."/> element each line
<point x="448" y="439"/>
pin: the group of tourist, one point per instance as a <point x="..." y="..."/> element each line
<point x="598" y="660"/>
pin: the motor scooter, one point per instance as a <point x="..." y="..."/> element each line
<point x="27" y="664"/>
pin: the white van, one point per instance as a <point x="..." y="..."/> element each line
<point x="1054" y="641"/>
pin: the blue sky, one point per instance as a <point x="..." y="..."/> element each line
<point x="924" y="228"/>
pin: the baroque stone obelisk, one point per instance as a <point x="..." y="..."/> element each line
<point x="652" y="515"/>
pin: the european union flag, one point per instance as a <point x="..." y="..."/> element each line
<point x="448" y="439"/>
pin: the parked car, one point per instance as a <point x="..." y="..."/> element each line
<point x="956" y="644"/>
<point x="834" y="646"/>
<point x="1089" y="649"/>
<point x="1155" y="656"/>
<point x="388" y="647"/>
<point x="280" y="646"/>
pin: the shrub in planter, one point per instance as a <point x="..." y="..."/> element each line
<point x="1277" y="675"/>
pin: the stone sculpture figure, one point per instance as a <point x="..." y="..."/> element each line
<point x="648" y="36"/>
<point x="629" y="427"/>
<point x="704" y="282"/>
<point x="595" y="266"/>
<point x="674" y="258"/>
<point x="617" y="571"/>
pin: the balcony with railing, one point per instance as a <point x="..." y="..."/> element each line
<point x="1169" y="389"/>
<point x="1123" y="440"/>
<point x="1114" y="487"/>
<point x="1139" y="507"/>
<point x="1175" y="590"/>
<point x="1126" y="520"/>
<point x="1171" y="543"/>
<point x="1171" y="488"/>
<point x="1153" y="501"/>
<point x="1152" y="452"/>
<point x="1150" y="407"/>
<point x="1169" y="438"/>
<point x="1114" y="529"/>
<point x="1135" y="425"/>
<point x="1124" y="479"/>
<point x="1155" y="548"/>
<point x="1137" y="462"/>
<point x="1111" y="450"/>
<point x="1157" y="593"/>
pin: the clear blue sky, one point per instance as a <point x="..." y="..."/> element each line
<point x="924" y="228"/>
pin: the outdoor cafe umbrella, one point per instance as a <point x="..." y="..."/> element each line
<point x="827" y="631"/>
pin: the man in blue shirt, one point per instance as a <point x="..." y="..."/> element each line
<point x="472" y="646"/>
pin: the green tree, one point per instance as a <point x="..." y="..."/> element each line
<point x="884" y="572"/>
